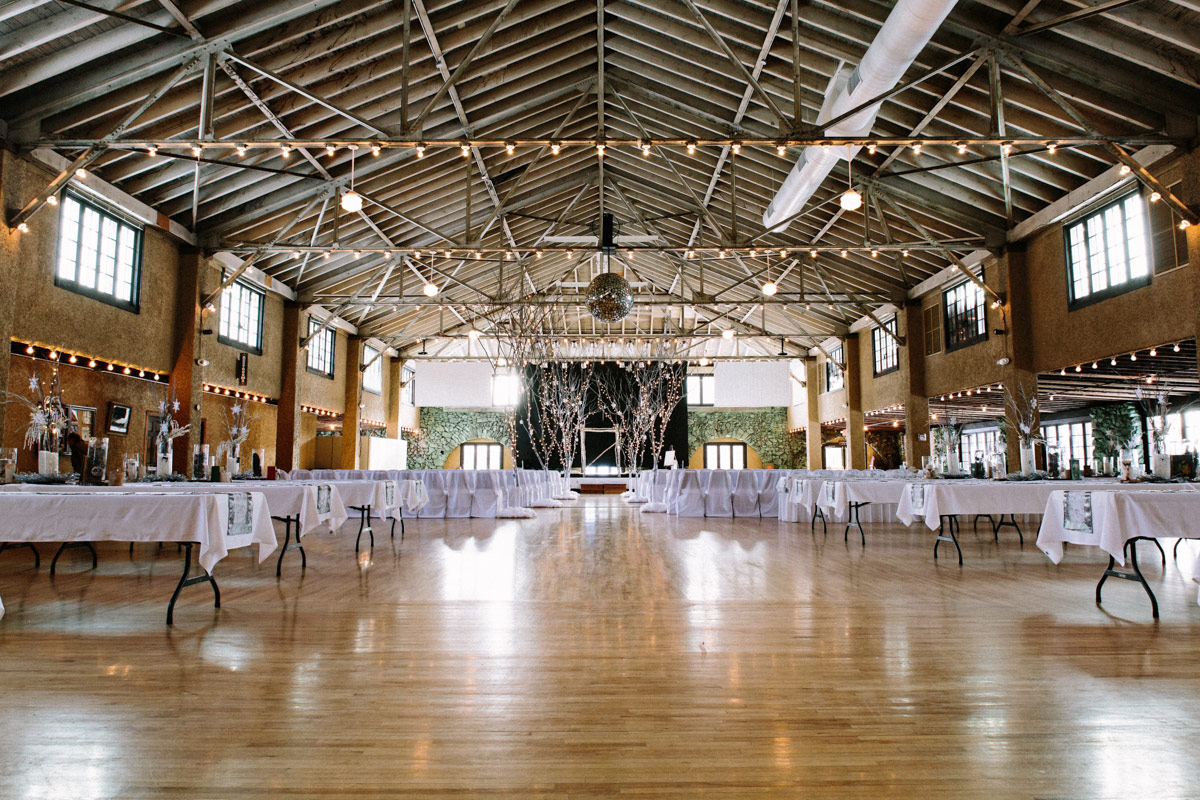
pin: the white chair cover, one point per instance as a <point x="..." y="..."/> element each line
<point x="689" y="498"/>
<point x="718" y="495"/>
<point x="745" y="493"/>
<point x="768" y="494"/>
<point x="486" y="493"/>
<point x="457" y="485"/>
<point x="300" y="475"/>
<point x="435" y="485"/>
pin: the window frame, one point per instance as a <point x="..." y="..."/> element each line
<point x="408" y="391"/>
<point x="132" y="305"/>
<point x="221" y="318"/>
<point x="836" y="354"/>
<point x="372" y="366"/>
<point x="948" y="329"/>
<point x="702" y="378"/>
<point x="475" y="446"/>
<point x="329" y="332"/>
<point x="878" y="336"/>
<point x="931" y="321"/>
<point x="1111" y="290"/>
<point x="731" y="446"/>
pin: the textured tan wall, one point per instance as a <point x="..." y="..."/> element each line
<point x="317" y="390"/>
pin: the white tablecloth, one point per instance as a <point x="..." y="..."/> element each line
<point x="219" y="522"/>
<point x="313" y="503"/>
<point x="931" y="500"/>
<point x="1108" y="519"/>
<point x="835" y="496"/>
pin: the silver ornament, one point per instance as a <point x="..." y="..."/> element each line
<point x="609" y="297"/>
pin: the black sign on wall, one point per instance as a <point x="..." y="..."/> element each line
<point x="243" y="368"/>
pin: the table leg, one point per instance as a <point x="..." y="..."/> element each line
<point x="184" y="580"/>
<point x="37" y="557"/>
<point x="948" y="522"/>
<point x="71" y="545"/>
<point x="1011" y="523"/>
<point x="855" y="520"/>
<point x="364" y="525"/>
<point x="1136" y="575"/>
<point x="819" y="514"/>
<point x="288" y="544"/>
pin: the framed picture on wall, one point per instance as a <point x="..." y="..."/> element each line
<point x="118" y="419"/>
<point x="81" y="420"/>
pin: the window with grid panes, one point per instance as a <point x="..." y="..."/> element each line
<point x="1072" y="439"/>
<point x="241" y="317"/>
<point x="372" y="377"/>
<point x="885" y="348"/>
<point x="99" y="253"/>
<point x="978" y="441"/>
<point x="1106" y="250"/>
<point x="932" y="318"/>
<point x="481" y="455"/>
<point x="408" y="387"/>
<point x="1168" y="244"/>
<point x="700" y="390"/>
<point x="965" y="315"/>
<point x="724" y="455"/>
<point x="321" y="348"/>
<point x="834" y="379"/>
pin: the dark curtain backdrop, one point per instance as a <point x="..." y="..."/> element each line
<point x="677" y="433"/>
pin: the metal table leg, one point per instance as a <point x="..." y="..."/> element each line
<point x="1136" y="575"/>
<point x="948" y="522"/>
<point x="853" y="521"/>
<point x="73" y="545"/>
<point x="1011" y="523"/>
<point x="288" y="544"/>
<point x="184" y="580"/>
<point x="364" y="525"/>
<point x="37" y="557"/>
<point x="819" y="514"/>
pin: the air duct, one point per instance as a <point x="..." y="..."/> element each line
<point x="904" y="34"/>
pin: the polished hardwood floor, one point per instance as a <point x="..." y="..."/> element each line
<point x="595" y="653"/>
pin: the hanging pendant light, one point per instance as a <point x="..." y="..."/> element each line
<point x="769" y="288"/>
<point x="850" y="200"/>
<point x="352" y="201"/>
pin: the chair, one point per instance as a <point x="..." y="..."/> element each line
<point x="746" y="486"/>
<point x="718" y="495"/>
<point x="768" y="494"/>
<point x="457" y="486"/>
<point x="689" y="498"/>
<point x="486" y="493"/>
<point x="435" y="485"/>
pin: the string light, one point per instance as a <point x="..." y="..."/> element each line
<point x="691" y="147"/>
<point x="736" y="147"/>
<point x="81" y="173"/>
<point x="1153" y="352"/>
<point x="466" y="150"/>
<point x="916" y="148"/>
<point x="1184" y="224"/>
<point x="420" y="150"/>
<point x="374" y="149"/>
<point x="1052" y="148"/>
<point x="1007" y="148"/>
<point x="329" y="150"/>
<point x="52" y="200"/>
<point x="871" y="147"/>
<point x="430" y="289"/>
<point x="554" y="148"/>
<point x="600" y="149"/>
<point x="152" y="151"/>
<point x="728" y="333"/>
<point x="962" y="148"/>
<point x="645" y="148"/>
<point x="781" y="149"/>
<point x="1155" y="197"/>
<point x="241" y="150"/>
<point x="286" y="150"/>
<point x="1176" y="347"/>
<point x="510" y="148"/>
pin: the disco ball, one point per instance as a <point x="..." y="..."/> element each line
<point x="609" y="297"/>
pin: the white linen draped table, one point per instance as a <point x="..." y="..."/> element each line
<point x="1112" y="518"/>
<point x="217" y="522"/>
<point x="932" y="499"/>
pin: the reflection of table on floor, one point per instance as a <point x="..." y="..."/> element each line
<point x="215" y="522"/>
<point x="1115" y="521"/>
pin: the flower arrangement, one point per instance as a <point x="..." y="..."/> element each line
<point x="1156" y="408"/>
<point x="170" y="428"/>
<point x="48" y="417"/>
<point x="1023" y="407"/>
<point x="237" y="429"/>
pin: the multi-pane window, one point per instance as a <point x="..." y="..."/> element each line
<point x="321" y="348"/>
<point x="700" y="390"/>
<point x="1071" y="440"/>
<point x="966" y="317"/>
<point x="1167" y="242"/>
<point x="724" y="455"/>
<point x="1106" y="250"/>
<point x="506" y="389"/>
<point x="481" y="455"/>
<point x="99" y="254"/>
<point x="241" y="317"/>
<point x="975" y="443"/>
<point x="885" y="348"/>
<point x="372" y="380"/>
<point x="408" y="386"/>
<point x="834" y="378"/>
<point x="932" y="318"/>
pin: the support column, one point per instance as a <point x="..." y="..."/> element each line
<point x="287" y="418"/>
<point x="1019" y="373"/>
<point x="392" y="397"/>
<point x="812" y="433"/>
<point x="186" y="374"/>
<point x="916" y="404"/>
<point x="352" y="416"/>
<point x="856" y="436"/>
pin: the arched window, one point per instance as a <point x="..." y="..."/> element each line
<point x="481" y="455"/>
<point x="725" y="455"/>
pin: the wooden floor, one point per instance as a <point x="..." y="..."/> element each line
<point x="594" y="653"/>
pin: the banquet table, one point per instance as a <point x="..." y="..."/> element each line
<point x="307" y="506"/>
<point x="940" y="502"/>
<point x="215" y="522"/>
<point x="1114" y="521"/>
<point x="365" y="495"/>
<point x="844" y="499"/>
